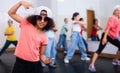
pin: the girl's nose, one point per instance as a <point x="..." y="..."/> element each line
<point x="42" y="20"/>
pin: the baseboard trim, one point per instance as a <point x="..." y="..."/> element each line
<point x="11" y="49"/>
<point x="106" y="55"/>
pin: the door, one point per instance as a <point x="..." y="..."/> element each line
<point x="90" y="18"/>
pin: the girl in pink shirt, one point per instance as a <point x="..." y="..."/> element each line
<point x="110" y="35"/>
<point x="32" y="42"/>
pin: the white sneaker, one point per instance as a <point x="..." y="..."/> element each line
<point x="66" y="60"/>
<point x="65" y="52"/>
<point x="85" y="58"/>
<point x="115" y="63"/>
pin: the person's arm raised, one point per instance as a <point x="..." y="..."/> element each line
<point x="79" y="22"/>
<point x="12" y="12"/>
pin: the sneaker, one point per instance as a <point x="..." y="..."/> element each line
<point x="88" y="54"/>
<point x="116" y="63"/>
<point x="52" y="66"/>
<point x="85" y="58"/>
<point x="65" y="52"/>
<point x="92" y="68"/>
<point x="66" y="60"/>
<point x="43" y="65"/>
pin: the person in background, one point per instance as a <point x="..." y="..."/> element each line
<point x="76" y="39"/>
<point x="111" y="35"/>
<point x="32" y="41"/>
<point x="95" y="29"/>
<point x="50" y="50"/>
<point x="83" y="28"/>
<point x="63" y="35"/>
<point x="11" y="36"/>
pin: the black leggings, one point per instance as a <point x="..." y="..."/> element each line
<point x="115" y="42"/>
<point x="7" y="43"/>
<point x="22" y="66"/>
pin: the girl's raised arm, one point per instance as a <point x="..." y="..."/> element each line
<point x="12" y="12"/>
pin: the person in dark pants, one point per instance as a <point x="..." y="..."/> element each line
<point x="11" y="37"/>
<point x="111" y="35"/>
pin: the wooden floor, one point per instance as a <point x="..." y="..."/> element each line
<point x="103" y="65"/>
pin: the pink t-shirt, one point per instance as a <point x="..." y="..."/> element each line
<point x="114" y="27"/>
<point x="29" y="42"/>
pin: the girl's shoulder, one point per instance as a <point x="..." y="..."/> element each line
<point x="43" y="34"/>
<point x="112" y="17"/>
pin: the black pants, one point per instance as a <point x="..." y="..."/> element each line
<point x="6" y="45"/>
<point x="22" y="66"/>
<point x="115" y="42"/>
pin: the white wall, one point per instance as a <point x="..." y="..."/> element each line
<point x="106" y="10"/>
<point x="68" y="7"/>
<point x="106" y="7"/>
<point x="5" y="5"/>
<point x="102" y="9"/>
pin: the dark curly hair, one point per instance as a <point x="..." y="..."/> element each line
<point x="50" y="23"/>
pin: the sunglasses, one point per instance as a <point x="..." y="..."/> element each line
<point x="39" y="17"/>
<point x="42" y="14"/>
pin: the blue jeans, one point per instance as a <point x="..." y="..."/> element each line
<point x="85" y="42"/>
<point x="76" y="40"/>
<point x="119" y="37"/>
<point x="93" y="38"/>
<point x="62" y="41"/>
<point x="50" y="50"/>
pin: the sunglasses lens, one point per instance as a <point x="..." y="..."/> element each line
<point x="39" y="17"/>
<point x="44" y="15"/>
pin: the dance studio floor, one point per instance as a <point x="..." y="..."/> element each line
<point x="103" y="65"/>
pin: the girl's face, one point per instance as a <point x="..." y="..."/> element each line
<point x="66" y="20"/>
<point x="41" y="23"/>
<point x="9" y="23"/>
<point x="96" y="22"/>
<point x="117" y="12"/>
<point x="77" y="18"/>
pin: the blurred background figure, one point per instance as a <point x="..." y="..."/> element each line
<point x="83" y="28"/>
<point x="62" y="38"/>
<point x="95" y="29"/>
<point x="11" y="37"/>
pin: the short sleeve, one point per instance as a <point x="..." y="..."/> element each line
<point x="13" y="28"/>
<point x="64" y="26"/>
<point x="23" y="22"/>
<point x="6" y="30"/>
<point x="45" y="40"/>
<point x="73" y="22"/>
<point x="110" y="22"/>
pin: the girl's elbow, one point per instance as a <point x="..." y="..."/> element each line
<point x="9" y="13"/>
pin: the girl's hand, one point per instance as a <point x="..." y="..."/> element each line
<point x="104" y="41"/>
<point x="48" y="60"/>
<point x="45" y="60"/>
<point x="26" y="5"/>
